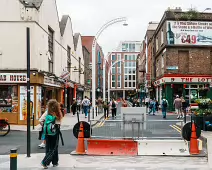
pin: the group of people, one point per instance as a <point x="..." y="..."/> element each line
<point x="179" y="104"/>
<point x="50" y="132"/>
<point x="110" y="104"/>
<point x="77" y="104"/>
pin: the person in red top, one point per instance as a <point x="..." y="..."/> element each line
<point x="124" y="104"/>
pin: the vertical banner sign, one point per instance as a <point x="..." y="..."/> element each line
<point x="23" y="102"/>
<point x="189" y="33"/>
<point x="38" y="102"/>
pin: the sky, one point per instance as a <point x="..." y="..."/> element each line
<point x="88" y="16"/>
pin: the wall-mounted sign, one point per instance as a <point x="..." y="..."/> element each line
<point x="183" y="80"/>
<point x="172" y="68"/>
<point x="13" y="77"/>
<point x="189" y="33"/>
<point x="51" y="82"/>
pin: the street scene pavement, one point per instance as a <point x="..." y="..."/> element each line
<point x="68" y="162"/>
<point x="156" y="127"/>
<point x="17" y="137"/>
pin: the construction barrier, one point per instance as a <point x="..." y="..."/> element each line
<point x="163" y="147"/>
<point x="112" y="147"/>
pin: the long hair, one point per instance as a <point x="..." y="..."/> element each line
<point x="54" y="109"/>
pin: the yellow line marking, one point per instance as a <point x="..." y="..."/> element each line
<point x="175" y="128"/>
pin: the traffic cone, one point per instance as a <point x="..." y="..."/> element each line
<point x="194" y="149"/>
<point x="80" y="149"/>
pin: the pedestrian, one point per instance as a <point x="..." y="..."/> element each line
<point x="113" y="108"/>
<point x="124" y="103"/>
<point x="62" y="109"/>
<point x="184" y="106"/>
<point x="135" y="103"/>
<point x="177" y="105"/>
<point x="41" y="134"/>
<point x="78" y="104"/>
<point x="156" y="106"/>
<point x="164" y="106"/>
<point x="74" y="107"/>
<point x="106" y="109"/>
<point x="147" y="102"/>
<point x="86" y="105"/>
<point x="52" y="132"/>
<point x="152" y="107"/>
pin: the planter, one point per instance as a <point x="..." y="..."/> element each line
<point x="200" y="121"/>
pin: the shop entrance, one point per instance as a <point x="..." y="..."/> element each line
<point x="177" y="90"/>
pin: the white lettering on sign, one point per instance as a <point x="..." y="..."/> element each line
<point x="184" y="80"/>
<point x="50" y="82"/>
<point x="13" y="77"/>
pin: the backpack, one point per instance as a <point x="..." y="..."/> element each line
<point x="50" y="127"/>
<point x="164" y="103"/>
<point x="86" y="102"/>
<point x="113" y="105"/>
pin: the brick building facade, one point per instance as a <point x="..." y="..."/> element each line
<point x="183" y="56"/>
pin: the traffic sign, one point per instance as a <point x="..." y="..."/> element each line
<point x="186" y="131"/>
<point x="86" y="127"/>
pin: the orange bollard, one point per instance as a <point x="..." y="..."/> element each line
<point x="194" y="149"/>
<point x="80" y="149"/>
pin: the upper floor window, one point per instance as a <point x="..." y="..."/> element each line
<point x="51" y="49"/>
<point x="68" y="59"/>
<point x="113" y="57"/>
<point x="162" y="40"/>
<point x="156" y="44"/>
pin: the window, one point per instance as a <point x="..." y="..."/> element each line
<point x="133" y="47"/>
<point x="113" y="84"/>
<point x="68" y="59"/>
<point x="113" y="77"/>
<point x="8" y="99"/>
<point x="133" y="77"/>
<point x="113" y="70"/>
<point x="119" y="84"/>
<point x="130" y="84"/>
<point x="125" y="57"/>
<point x="162" y="61"/>
<point x="156" y="44"/>
<point x="133" y="84"/>
<point x="124" y="47"/>
<point x="51" y="50"/>
<point x="162" y="41"/>
<point x="113" y="57"/>
<point x="125" y="84"/>
<point x="119" y="56"/>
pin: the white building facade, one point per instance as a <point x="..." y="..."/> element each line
<point x="52" y="55"/>
<point x="123" y="69"/>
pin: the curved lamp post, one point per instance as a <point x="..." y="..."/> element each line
<point x="117" y="20"/>
<point x="108" y="91"/>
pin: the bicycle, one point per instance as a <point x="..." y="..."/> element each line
<point x="4" y="127"/>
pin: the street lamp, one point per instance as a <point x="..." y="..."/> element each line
<point x="207" y="9"/>
<point x="117" y="20"/>
<point x="122" y="60"/>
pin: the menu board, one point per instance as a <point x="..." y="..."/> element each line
<point x="23" y="102"/>
<point x="38" y="102"/>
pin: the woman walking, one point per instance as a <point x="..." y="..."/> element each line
<point x="52" y="131"/>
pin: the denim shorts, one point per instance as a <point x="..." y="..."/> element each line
<point x="43" y="137"/>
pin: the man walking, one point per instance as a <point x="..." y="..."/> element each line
<point x="113" y="108"/>
<point x="86" y="104"/>
<point x="164" y="105"/>
<point x="177" y="105"/>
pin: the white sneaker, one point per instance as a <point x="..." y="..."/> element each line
<point x="42" y="145"/>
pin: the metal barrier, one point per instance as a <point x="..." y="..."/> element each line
<point x="134" y="129"/>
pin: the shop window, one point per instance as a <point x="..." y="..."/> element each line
<point x="193" y="86"/>
<point x="193" y="95"/>
<point x="8" y="99"/>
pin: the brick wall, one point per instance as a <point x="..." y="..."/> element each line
<point x="189" y="61"/>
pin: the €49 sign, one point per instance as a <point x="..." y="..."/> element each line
<point x="189" y="33"/>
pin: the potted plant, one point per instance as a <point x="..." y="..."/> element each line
<point x="203" y="115"/>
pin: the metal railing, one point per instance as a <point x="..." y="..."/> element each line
<point x="137" y="129"/>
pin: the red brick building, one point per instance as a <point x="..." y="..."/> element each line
<point x="183" y="56"/>
<point x="87" y="42"/>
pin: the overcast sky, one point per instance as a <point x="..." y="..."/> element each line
<point x="89" y="15"/>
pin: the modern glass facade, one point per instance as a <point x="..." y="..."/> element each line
<point x="130" y="71"/>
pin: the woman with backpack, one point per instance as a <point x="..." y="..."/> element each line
<point x="52" y="132"/>
<point x="113" y="108"/>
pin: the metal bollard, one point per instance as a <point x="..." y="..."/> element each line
<point x="96" y="110"/>
<point x="13" y="159"/>
<point x="92" y="112"/>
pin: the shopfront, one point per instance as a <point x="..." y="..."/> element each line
<point x="13" y="96"/>
<point x="191" y="88"/>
